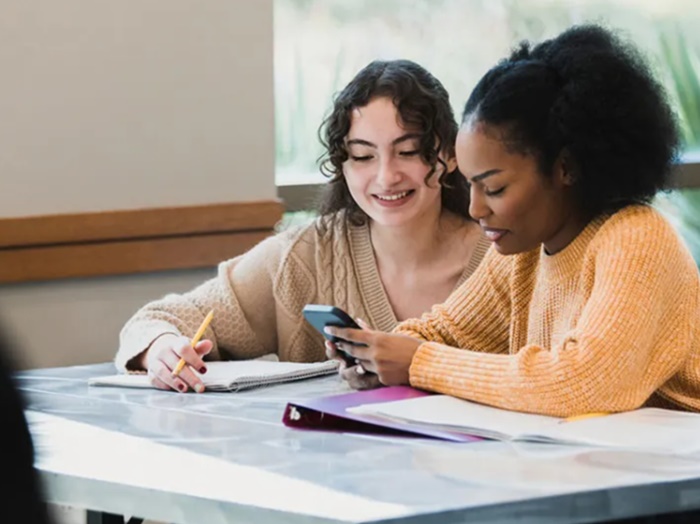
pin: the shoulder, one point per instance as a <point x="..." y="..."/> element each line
<point x="634" y="216"/>
<point x="268" y="255"/>
<point x="637" y="227"/>
<point x="304" y="234"/>
<point x="303" y="240"/>
<point x="639" y="235"/>
<point x="305" y="243"/>
<point x="278" y="244"/>
<point x="324" y="233"/>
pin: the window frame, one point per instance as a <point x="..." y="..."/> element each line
<point x="302" y="197"/>
<point x="687" y="175"/>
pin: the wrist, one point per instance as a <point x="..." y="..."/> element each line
<point x="164" y="338"/>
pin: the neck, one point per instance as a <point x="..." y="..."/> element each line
<point x="415" y="244"/>
<point x="566" y="234"/>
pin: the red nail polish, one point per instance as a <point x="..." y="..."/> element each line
<point x="182" y="387"/>
<point x="203" y="369"/>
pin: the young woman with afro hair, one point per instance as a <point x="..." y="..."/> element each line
<point x="587" y="300"/>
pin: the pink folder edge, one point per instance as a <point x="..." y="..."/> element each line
<point x="329" y="413"/>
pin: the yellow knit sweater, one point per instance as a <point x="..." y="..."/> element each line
<point x="610" y="323"/>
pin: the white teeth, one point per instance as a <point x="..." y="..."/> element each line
<point x="493" y="235"/>
<point x="397" y="196"/>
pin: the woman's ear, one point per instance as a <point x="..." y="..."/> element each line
<point x="564" y="169"/>
<point x="451" y="164"/>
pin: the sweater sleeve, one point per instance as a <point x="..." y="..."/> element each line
<point x="242" y="297"/>
<point x="476" y="315"/>
<point x="633" y="334"/>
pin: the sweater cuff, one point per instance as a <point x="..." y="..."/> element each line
<point x="139" y="339"/>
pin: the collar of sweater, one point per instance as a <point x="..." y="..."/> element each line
<point x="567" y="262"/>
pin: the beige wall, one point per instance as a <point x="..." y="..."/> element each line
<point x="78" y="321"/>
<point x="128" y="104"/>
<point x="134" y="103"/>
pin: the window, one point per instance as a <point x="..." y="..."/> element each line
<point x="321" y="44"/>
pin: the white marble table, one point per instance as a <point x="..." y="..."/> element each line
<point x="226" y="458"/>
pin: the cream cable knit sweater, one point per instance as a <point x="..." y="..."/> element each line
<point x="258" y="297"/>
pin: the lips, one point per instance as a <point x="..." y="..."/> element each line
<point x="493" y="234"/>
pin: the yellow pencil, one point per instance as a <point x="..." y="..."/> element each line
<point x="584" y="416"/>
<point x="195" y="339"/>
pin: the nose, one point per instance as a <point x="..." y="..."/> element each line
<point x="388" y="174"/>
<point x="478" y="208"/>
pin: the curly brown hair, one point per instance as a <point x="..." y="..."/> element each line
<point x="422" y="102"/>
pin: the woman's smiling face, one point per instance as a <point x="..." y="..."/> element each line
<point x="384" y="171"/>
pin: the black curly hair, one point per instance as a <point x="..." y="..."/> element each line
<point x="590" y="96"/>
<point x="421" y="101"/>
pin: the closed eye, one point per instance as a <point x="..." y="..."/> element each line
<point x="495" y="192"/>
<point x="409" y="153"/>
<point x="361" y="158"/>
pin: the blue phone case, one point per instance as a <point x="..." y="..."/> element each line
<point x="320" y="316"/>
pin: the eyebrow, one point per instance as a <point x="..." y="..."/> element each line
<point x="396" y="141"/>
<point x="485" y="174"/>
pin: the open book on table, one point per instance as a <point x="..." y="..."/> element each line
<point x="648" y="429"/>
<point x="234" y="375"/>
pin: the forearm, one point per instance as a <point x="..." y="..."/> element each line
<point x="181" y="315"/>
<point x="535" y="380"/>
<point x="481" y="301"/>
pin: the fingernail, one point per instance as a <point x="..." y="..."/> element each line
<point x="203" y="369"/>
<point x="182" y="387"/>
<point x="360" y="370"/>
<point x="327" y="330"/>
<point x="199" y="388"/>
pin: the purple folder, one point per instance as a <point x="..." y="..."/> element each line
<point x="329" y="413"/>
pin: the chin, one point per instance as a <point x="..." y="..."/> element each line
<point x="504" y="250"/>
<point x="389" y="221"/>
<point x="507" y="248"/>
<point x="392" y="219"/>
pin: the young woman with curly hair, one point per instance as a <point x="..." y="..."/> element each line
<point x="393" y="238"/>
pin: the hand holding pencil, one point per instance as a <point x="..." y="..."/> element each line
<point x="195" y="340"/>
<point x="172" y="358"/>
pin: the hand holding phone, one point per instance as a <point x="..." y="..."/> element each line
<point x="320" y="316"/>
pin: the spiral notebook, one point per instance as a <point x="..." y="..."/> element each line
<point x="235" y="375"/>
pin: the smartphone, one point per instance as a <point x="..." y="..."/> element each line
<point x="320" y="316"/>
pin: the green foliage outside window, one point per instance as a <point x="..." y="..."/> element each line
<point x="321" y="44"/>
<point x="683" y="83"/>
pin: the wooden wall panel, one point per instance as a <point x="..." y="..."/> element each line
<point x="120" y="242"/>
<point x="138" y="223"/>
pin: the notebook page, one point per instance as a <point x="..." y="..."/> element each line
<point x="648" y="429"/>
<point x="228" y="375"/>
<point x="460" y="415"/>
<point x="242" y="374"/>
